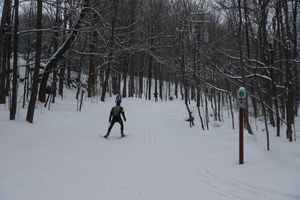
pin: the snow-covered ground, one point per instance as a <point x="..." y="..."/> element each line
<point x="62" y="157"/>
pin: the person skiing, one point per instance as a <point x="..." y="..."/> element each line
<point x="155" y="96"/>
<point x="115" y="116"/>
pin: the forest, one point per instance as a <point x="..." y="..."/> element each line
<point x="203" y="49"/>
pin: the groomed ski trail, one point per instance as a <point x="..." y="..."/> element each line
<point x="163" y="159"/>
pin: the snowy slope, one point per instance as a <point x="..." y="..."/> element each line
<point x="61" y="157"/>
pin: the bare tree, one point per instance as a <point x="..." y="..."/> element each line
<point x="61" y="52"/>
<point x="34" y="92"/>
<point x="4" y="49"/>
<point x="13" y="107"/>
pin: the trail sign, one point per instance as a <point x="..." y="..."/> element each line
<point x="241" y="93"/>
<point x="242" y="103"/>
<point x="241" y="97"/>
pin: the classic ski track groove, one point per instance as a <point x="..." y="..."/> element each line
<point x="83" y="161"/>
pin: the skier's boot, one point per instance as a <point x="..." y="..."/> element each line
<point x="122" y="134"/>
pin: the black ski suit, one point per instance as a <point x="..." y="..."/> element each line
<point x="115" y="116"/>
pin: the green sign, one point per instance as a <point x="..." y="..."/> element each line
<point x="241" y="93"/>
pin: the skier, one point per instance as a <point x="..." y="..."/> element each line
<point x="115" y="116"/>
<point x="155" y="96"/>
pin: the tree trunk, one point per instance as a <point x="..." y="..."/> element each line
<point x="4" y="43"/>
<point x="198" y="106"/>
<point x="13" y="108"/>
<point x="161" y="82"/>
<point x="55" y="47"/>
<point x="176" y="86"/>
<point x="61" y="81"/>
<point x="92" y="68"/>
<point x="295" y="52"/>
<point x="150" y="77"/>
<point x="289" y="104"/>
<point x="31" y="106"/>
<point x="289" y="80"/>
<point x="141" y="76"/>
<point x="131" y="76"/>
<point x="62" y="70"/>
<point x="78" y="82"/>
<point x="155" y="81"/>
<point x="206" y="112"/>
<point x="191" y="118"/>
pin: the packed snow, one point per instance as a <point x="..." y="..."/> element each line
<point x="61" y="156"/>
